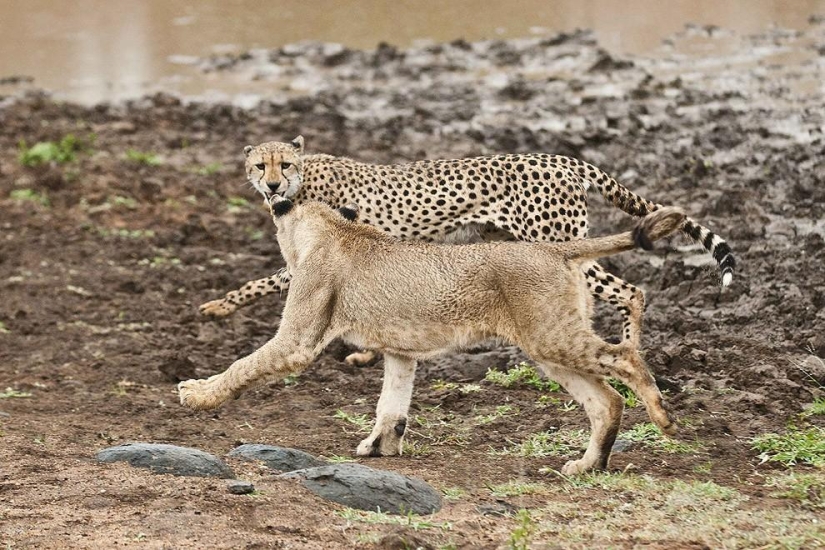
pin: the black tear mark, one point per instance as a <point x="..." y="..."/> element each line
<point x="401" y="427"/>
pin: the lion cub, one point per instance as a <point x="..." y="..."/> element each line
<point x="413" y="300"/>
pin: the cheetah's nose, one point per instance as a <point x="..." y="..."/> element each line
<point x="273" y="187"/>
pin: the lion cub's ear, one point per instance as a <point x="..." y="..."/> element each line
<point x="298" y="144"/>
<point x="280" y="206"/>
<point x="349" y="211"/>
<point x="247" y="150"/>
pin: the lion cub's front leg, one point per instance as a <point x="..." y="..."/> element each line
<point x="204" y="394"/>
<point x="278" y="357"/>
<point x="387" y="437"/>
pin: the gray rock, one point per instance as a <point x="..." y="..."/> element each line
<point x="622" y="445"/>
<point x="167" y="459"/>
<point x="277" y="458"/>
<point x="365" y="488"/>
<point x="237" y="487"/>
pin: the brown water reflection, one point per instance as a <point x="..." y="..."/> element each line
<point x="92" y="50"/>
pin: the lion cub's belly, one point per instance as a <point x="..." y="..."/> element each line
<point x="416" y="340"/>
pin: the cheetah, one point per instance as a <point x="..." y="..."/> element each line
<point x="528" y="197"/>
<point x="413" y="300"/>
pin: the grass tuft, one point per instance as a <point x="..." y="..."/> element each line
<point x="360" y="421"/>
<point x="651" y="437"/>
<point x="516" y="489"/>
<point x="806" y="446"/>
<point x="10" y="393"/>
<point x="816" y="408"/>
<point x="563" y="443"/>
<point x="807" y="489"/>
<point x="141" y="157"/>
<point x="521" y="374"/>
<point x="414" y="521"/>
<point x="45" y="152"/>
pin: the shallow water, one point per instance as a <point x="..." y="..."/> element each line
<point x="97" y="50"/>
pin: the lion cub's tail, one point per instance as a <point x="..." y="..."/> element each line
<point x="659" y="223"/>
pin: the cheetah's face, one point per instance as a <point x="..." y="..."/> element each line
<point x="275" y="168"/>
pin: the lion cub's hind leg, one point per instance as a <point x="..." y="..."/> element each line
<point x="603" y="406"/>
<point x="387" y="435"/>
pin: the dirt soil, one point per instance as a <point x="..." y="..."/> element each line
<point x="105" y="259"/>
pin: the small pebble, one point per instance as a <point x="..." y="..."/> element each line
<point x="240" y="487"/>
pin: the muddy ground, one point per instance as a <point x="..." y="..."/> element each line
<point x="105" y="258"/>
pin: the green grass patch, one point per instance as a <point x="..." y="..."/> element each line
<point x="563" y="443"/>
<point x="630" y="399"/>
<point x="29" y="195"/>
<point x="122" y="233"/>
<point x="210" y="169"/>
<point x="45" y="152"/>
<point x="360" y="421"/>
<point x="651" y="437"/>
<point x="235" y="205"/>
<point x="817" y="408"/>
<point x="806" y="446"/>
<point x="338" y="459"/>
<point x="415" y="448"/>
<point x="11" y="393"/>
<point x="3" y="328"/>
<point x="516" y="489"/>
<point x="806" y="489"/>
<point x="500" y="412"/>
<point x="143" y="157"/>
<point x="524" y="531"/>
<point x="417" y="523"/>
<point x="521" y="374"/>
<point x="453" y="493"/>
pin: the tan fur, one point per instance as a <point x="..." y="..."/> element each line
<point x="527" y="197"/>
<point x="414" y="300"/>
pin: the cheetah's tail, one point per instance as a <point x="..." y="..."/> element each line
<point x="635" y="205"/>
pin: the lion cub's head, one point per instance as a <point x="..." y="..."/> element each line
<point x="275" y="168"/>
<point x="302" y="226"/>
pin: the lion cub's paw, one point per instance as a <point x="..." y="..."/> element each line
<point x="385" y="440"/>
<point x="217" y="308"/>
<point x="576" y="467"/>
<point x="197" y="395"/>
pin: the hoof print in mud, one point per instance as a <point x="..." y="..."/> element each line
<point x="167" y="459"/>
<point x="283" y="459"/>
<point x="366" y="488"/>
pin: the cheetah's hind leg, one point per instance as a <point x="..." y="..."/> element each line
<point x="628" y="299"/>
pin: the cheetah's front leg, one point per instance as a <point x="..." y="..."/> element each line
<point x="248" y="293"/>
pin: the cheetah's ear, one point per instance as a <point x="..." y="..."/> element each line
<point x="349" y="211"/>
<point x="247" y="150"/>
<point x="298" y="143"/>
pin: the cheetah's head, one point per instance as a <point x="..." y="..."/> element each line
<point x="275" y="168"/>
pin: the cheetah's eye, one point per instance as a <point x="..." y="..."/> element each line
<point x="260" y="167"/>
<point x="285" y="165"/>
